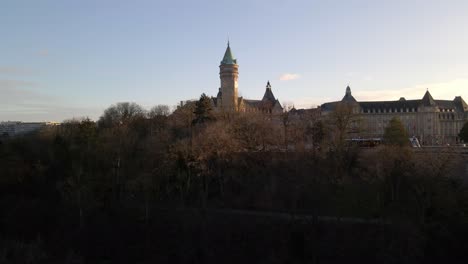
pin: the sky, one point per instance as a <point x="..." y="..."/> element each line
<point x="67" y="59"/>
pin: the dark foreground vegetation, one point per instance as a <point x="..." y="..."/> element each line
<point x="192" y="187"/>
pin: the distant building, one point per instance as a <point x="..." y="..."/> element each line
<point x="15" y="128"/>
<point x="228" y="100"/>
<point x="433" y="122"/>
<point x="311" y="113"/>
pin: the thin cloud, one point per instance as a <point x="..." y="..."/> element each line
<point x="289" y="76"/>
<point x="43" y="52"/>
<point x="15" y="84"/>
<point x="21" y="101"/>
<point x="351" y="74"/>
<point x="12" y="70"/>
<point x="310" y="102"/>
<point x="17" y="95"/>
<point x="48" y="112"/>
<point x="442" y="90"/>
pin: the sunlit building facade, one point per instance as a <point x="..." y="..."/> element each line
<point x="433" y="122"/>
<point x="227" y="99"/>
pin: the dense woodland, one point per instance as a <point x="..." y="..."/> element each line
<point x="192" y="186"/>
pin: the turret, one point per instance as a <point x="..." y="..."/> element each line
<point x="348" y="96"/>
<point x="228" y="74"/>
<point x="268" y="96"/>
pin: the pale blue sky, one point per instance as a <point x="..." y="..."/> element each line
<point x="64" y="59"/>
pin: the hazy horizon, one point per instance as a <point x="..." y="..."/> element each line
<point x="61" y="59"/>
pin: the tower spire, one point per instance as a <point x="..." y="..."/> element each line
<point x="228" y="57"/>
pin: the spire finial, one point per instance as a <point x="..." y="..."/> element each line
<point x="228" y="41"/>
<point x="348" y="90"/>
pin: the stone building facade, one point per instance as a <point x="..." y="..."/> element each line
<point x="228" y="101"/>
<point x="433" y="122"/>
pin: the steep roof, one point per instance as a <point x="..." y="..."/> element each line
<point x="427" y="100"/>
<point x="265" y="105"/>
<point x="328" y="107"/>
<point x="457" y="104"/>
<point x="400" y="104"/>
<point x="268" y="96"/>
<point x="253" y="103"/>
<point x="228" y="58"/>
<point x="445" y="104"/>
<point x="460" y="104"/>
<point x="277" y="103"/>
<point x="348" y="96"/>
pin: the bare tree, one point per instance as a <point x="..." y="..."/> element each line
<point x="120" y="113"/>
<point x="256" y="131"/>
<point x="341" y="119"/>
<point x="159" y="110"/>
<point x="158" y="118"/>
<point x="122" y="125"/>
